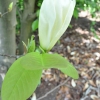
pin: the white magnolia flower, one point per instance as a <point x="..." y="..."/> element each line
<point x="54" y="18"/>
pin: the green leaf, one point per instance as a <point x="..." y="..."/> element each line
<point x="75" y="14"/>
<point x="35" y="25"/>
<point x="31" y="45"/>
<point x="19" y="83"/>
<point x="70" y="70"/>
<point x="37" y="12"/>
<point x="54" y="61"/>
<point x="34" y="60"/>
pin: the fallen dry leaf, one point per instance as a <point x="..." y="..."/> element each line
<point x="73" y="83"/>
<point x="86" y="86"/>
<point x="94" y="97"/>
<point x="91" y="82"/>
<point x="85" y="75"/>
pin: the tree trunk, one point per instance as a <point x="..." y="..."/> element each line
<point x="26" y="23"/>
<point x="7" y="35"/>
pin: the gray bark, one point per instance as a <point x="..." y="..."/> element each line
<point x="26" y="23"/>
<point x="7" y="35"/>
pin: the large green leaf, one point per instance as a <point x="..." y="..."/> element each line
<point x="32" y="61"/>
<point x="70" y="71"/>
<point x="19" y="83"/>
<point x="54" y="61"/>
<point x="35" y="61"/>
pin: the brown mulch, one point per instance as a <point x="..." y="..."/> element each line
<point x="82" y="49"/>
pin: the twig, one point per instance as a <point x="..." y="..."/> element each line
<point x="4" y="13"/>
<point x="1" y="15"/>
<point x="53" y="89"/>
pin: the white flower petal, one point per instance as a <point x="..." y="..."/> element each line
<point x="55" y="16"/>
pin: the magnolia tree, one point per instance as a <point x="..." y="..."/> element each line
<point x="25" y="73"/>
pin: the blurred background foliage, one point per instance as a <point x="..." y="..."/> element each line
<point x="92" y="6"/>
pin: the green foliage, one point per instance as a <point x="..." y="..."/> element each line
<point x="91" y="5"/>
<point x="76" y="12"/>
<point x="35" y="60"/>
<point x="36" y="21"/>
<point x="94" y="32"/>
<point x="39" y="3"/>
<point x="20" y="4"/>
<point x="20" y="8"/>
<point x="70" y="71"/>
<point x="54" y="61"/>
<point x="19" y="83"/>
<point x="24" y="75"/>
<point x="31" y="45"/>
<point x="35" y="25"/>
<point x="32" y="61"/>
